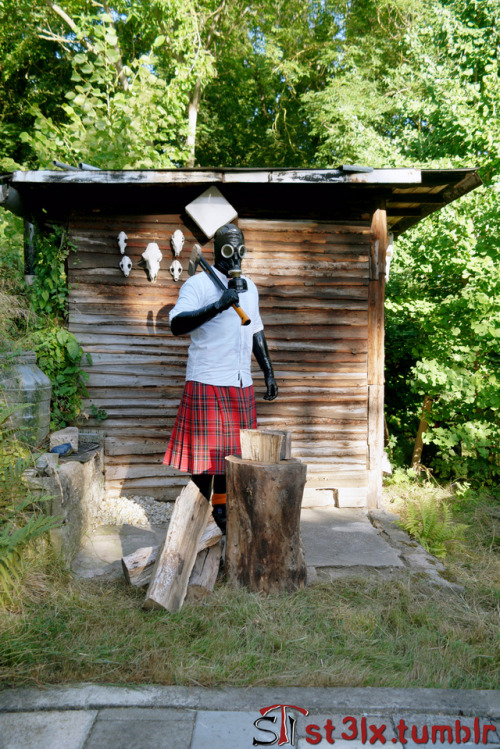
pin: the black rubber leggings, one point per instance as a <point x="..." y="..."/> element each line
<point x="204" y="483"/>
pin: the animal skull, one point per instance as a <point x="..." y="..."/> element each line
<point x="152" y="257"/>
<point x="122" y="241"/>
<point x="176" y="269"/>
<point x="177" y="243"/>
<point x="125" y="265"/>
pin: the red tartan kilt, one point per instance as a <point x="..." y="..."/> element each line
<point x="207" y="427"/>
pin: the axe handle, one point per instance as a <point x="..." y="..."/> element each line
<point x="245" y="320"/>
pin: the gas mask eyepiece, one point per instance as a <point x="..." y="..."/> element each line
<point x="227" y="251"/>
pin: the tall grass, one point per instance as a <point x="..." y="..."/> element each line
<point x="349" y="633"/>
<point x="58" y="629"/>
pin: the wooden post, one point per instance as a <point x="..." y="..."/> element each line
<point x="264" y="548"/>
<point x="170" y="575"/>
<point x="376" y="295"/>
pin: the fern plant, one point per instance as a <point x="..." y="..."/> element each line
<point x="430" y="522"/>
<point x="21" y="520"/>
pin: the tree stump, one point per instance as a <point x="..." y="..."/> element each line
<point x="264" y="549"/>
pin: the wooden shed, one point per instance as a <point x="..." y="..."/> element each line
<point x="317" y="242"/>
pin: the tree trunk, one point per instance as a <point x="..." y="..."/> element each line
<point x="264" y="549"/>
<point x="422" y="427"/>
<point x="193" y="109"/>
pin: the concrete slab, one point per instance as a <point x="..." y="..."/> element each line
<point x="380" y="701"/>
<point x="147" y="728"/>
<point x="347" y="730"/>
<point x="338" y="543"/>
<point x="344" y="537"/>
<point x="305" y="743"/>
<point x="448" y="729"/>
<point x="226" y="730"/>
<point x="51" y="729"/>
<point x="101" y="552"/>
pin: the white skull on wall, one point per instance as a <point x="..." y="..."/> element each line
<point x="176" y="270"/>
<point x="125" y="265"/>
<point x="177" y="243"/>
<point x="152" y="257"/>
<point x="122" y="241"/>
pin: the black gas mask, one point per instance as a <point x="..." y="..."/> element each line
<point x="229" y="250"/>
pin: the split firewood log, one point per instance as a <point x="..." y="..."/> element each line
<point x="177" y="555"/>
<point x="137" y="567"/>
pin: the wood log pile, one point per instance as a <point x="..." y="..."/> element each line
<point x="263" y="550"/>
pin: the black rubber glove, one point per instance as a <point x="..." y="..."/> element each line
<point x="261" y="353"/>
<point x="185" y="322"/>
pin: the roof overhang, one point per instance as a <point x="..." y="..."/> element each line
<point x="409" y="195"/>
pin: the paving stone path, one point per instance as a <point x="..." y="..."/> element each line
<point x="337" y="543"/>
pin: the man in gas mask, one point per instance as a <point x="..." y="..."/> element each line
<point x="218" y="398"/>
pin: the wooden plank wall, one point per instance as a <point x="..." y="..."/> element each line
<point x="313" y="279"/>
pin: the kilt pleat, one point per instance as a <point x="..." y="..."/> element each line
<point x="207" y="427"/>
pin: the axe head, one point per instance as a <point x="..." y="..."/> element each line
<point x="194" y="259"/>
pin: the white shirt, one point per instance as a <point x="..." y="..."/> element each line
<point x="221" y="349"/>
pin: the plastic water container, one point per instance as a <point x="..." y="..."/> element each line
<point x="23" y="384"/>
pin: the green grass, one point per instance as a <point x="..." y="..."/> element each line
<point x="348" y="633"/>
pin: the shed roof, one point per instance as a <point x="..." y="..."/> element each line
<point x="409" y="195"/>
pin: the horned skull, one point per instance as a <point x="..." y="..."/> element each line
<point x="125" y="265"/>
<point x="152" y="257"/>
<point x="177" y="242"/>
<point x="122" y="241"/>
<point x="176" y="269"/>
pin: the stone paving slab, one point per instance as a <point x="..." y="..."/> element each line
<point x="337" y="542"/>
<point x="142" y="728"/>
<point x="225" y="730"/>
<point x="344" y="537"/>
<point x="470" y="730"/>
<point x="88" y="716"/>
<point x="101" y="552"/>
<point x="52" y="729"/>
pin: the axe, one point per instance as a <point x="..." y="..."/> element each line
<point x="196" y="259"/>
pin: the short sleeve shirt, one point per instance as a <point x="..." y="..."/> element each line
<point x="221" y="349"/>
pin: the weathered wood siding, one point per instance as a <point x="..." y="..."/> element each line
<point x="313" y="279"/>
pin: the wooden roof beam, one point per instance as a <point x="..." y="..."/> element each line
<point x="178" y="176"/>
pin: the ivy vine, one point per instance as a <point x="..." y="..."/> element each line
<point x="59" y="353"/>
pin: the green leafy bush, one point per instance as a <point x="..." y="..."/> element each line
<point x="49" y="292"/>
<point x="430" y="522"/>
<point x="59" y="355"/>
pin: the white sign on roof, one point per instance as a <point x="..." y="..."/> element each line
<point x="211" y="211"/>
